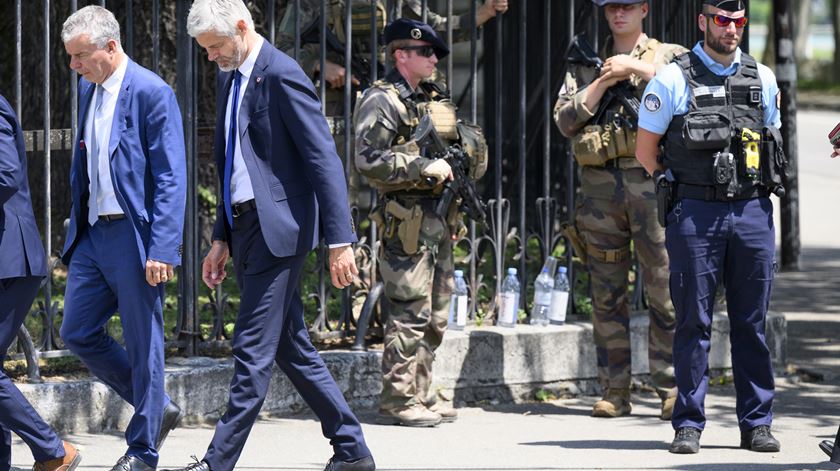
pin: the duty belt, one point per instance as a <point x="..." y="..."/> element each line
<point x="718" y="193"/>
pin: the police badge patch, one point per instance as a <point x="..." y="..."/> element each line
<point x="652" y="102"/>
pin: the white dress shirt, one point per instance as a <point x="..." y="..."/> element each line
<point x="240" y="182"/>
<point x="106" y="198"/>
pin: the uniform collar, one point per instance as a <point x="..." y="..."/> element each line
<point x="248" y="64"/>
<point x="396" y="78"/>
<point x="715" y="67"/>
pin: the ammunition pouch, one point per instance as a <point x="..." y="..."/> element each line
<point x="361" y="17"/>
<point x="475" y="145"/>
<point x="570" y="231"/>
<point x="443" y="116"/>
<point x="595" y="145"/>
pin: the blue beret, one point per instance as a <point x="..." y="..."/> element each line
<point x="405" y="28"/>
<point x="601" y="3"/>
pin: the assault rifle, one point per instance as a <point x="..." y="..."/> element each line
<point x="359" y="64"/>
<point x="582" y="53"/>
<point x="462" y="185"/>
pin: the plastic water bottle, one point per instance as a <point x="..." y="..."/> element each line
<point x="509" y="300"/>
<point x="559" y="298"/>
<point x="543" y="287"/>
<point x="458" y="305"/>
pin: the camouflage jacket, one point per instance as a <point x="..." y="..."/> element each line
<point x="383" y="122"/>
<point x="570" y="112"/>
<point x="311" y="9"/>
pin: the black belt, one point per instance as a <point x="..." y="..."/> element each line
<point x="715" y="193"/>
<point x="111" y="217"/>
<point x="241" y="208"/>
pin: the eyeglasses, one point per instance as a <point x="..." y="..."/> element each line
<point x="425" y="50"/>
<point x="724" y="21"/>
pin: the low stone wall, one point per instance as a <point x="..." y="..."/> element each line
<point x="479" y="364"/>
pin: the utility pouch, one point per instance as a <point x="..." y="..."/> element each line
<point x="704" y="130"/>
<point x="589" y="148"/>
<point x="570" y="231"/>
<point x="773" y="161"/>
<point x="475" y="145"/>
<point x="410" y="222"/>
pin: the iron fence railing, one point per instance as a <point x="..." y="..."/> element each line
<point x="506" y="77"/>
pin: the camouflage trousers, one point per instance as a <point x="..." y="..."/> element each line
<point x="417" y="292"/>
<point x="617" y="207"/>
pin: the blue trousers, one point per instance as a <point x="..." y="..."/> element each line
<point x="104" y="277"/>
<point x="270" y="329"/>
<point x="733" y="243"/>
<point x="16" y="414"/>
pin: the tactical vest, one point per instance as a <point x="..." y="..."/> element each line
<point x="611" y="134"/>
<point x="722" y="111"/>
<point x="443" y="115"/>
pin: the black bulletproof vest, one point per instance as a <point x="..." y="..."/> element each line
<point x="720" y="108"/>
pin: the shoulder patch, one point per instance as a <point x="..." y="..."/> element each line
<point x="652" y="102"/>
<point x="779" y="100"/>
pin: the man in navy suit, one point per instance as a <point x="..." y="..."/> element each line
<point x="280" y="177"/>
<point x="22" y="267"/>
<point x="128" y="183"/>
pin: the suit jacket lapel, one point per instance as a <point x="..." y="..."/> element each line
<point x="252" y="92"/>
<point x="226" y="79"/>
<point x="123" y="103"/>
<point x="85" y="98"/>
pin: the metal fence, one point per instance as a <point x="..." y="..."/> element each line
<point x="505" y="77"/>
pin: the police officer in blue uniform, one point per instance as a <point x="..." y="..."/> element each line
<point x="717" y="109"/>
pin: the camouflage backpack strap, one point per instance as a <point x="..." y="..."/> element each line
<point x="401" y="101"/>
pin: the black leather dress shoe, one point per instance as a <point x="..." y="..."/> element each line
<point x="197" y="466"/>
<point x="686" y="441"/>
<point x="172" y="415"/>
<point x="361" y="464"/>
<point x="131" y="463"/>
<point x="827" y="446"/>
<point x="760" y="439"/>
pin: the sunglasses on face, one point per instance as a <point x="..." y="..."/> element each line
<point x="724" y="21"/>
<point x="425" y="51"/>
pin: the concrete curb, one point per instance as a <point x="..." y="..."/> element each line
<point x="479" y="364"/>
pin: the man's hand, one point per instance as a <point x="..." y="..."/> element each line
<point x="342" y="266"/>
<point x="836" y="152"/>
<point x="335" y="74"/>
<point x="213" y="268"/>
<point x="489" y="10"/>
<point x="439" y="170"/>
<point x="622" y="65"/>
<point x="158" y="272"/>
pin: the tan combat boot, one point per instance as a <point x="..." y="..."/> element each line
<point x="668" y="405"/>
<point x="414" y="415"/>
<point x="445" y="410"/>
<point x="69" y="462"/>
<point x="615" y="403"/>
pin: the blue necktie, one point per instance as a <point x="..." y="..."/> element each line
<point x="93" y="204"/>
<point x="231" y="146"/>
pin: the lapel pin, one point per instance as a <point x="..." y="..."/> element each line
<point x="81" y="144"/>
<point x="259" y="78"/>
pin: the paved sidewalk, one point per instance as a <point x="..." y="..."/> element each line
<point x="561" y="435"/>
<point x="553" y="436"/>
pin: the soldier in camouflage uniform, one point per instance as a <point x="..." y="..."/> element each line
<point x="310" y="51"/>
<point x="416" y="263"/>
<point x="617" y="206"/>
